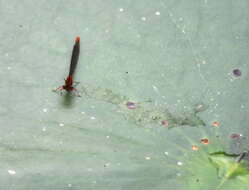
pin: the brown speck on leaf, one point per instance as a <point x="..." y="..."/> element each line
<point x="195" y="148"/>
<point x="205" y="141"/>
<point x="216" y="124"/>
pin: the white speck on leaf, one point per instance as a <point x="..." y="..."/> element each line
<point x="107" y="164"/>
<point x="12" y="172"/>
<point x="89" y="169"/>
<point x="166" y="153"/>
<point x="143" y="18"/>
<point x="178" y="174"/>
<point x="179" y="163"/>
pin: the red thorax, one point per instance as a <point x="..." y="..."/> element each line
<point x="68" y="86"/>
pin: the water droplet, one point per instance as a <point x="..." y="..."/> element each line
<point x="237" y="72"/>
<point x="200" y="107"/>
<point x="61" y="124"/>
<point x="157" y="13"/>
<point x="121" y="9"/>
<point x="165" y="123"/>
<point x="131" y="105"/>
<point x="45" y="110"/>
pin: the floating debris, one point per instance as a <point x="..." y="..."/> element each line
<point x="103" y="94"/>
<point x="146" y="113"/>
<point x="235" y="136"/>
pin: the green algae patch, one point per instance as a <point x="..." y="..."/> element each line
<point x="143" y="112"/>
